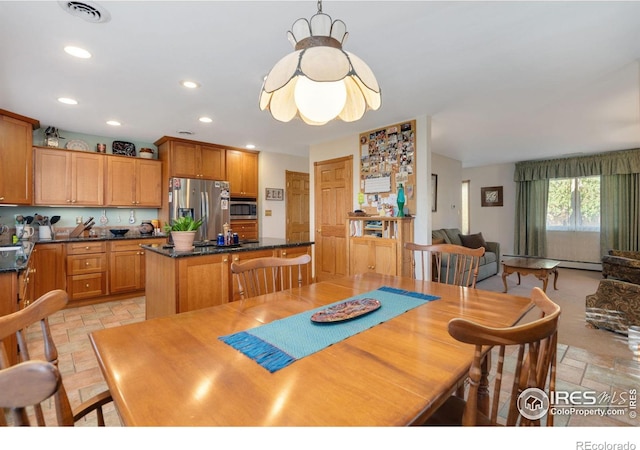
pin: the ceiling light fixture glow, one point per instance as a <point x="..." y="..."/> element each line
<point x="190" y="84"/>
<point x="319" y="81"/>
<point x="77" y="52"/>
<point x="113" y="123"/>
<point x="205" y="119"/>
<point x="250" y="146"/>
<point x="67" y="101"/>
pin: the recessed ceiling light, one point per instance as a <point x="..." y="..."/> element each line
<point x="190" y="84"/>
<point x="205" y="119"/>
<point x="67" y="101"/>
<point x="113" y="123"/>
<point x="250" y="146"/>
<point x="77" y="52"/>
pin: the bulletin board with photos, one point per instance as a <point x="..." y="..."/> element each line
<point x="388" y="159"/>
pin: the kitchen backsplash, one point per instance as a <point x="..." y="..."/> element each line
<point x="116" y="217"/>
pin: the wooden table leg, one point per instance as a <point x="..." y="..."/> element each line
<point x="555" y="279"/>
<point x="504" y="278"/>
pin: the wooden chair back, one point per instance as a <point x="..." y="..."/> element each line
<point x="535" y="367"/>
<point x="41" y="346"/>
<point x="263" y="275"/>
<point x="450" y="264"/>
<point x="27" y="384"/>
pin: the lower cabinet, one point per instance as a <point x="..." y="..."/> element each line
<point x="247" y="229"/>
<point x="8" y="305"/>
<point x="127" y="266"/>
<point x="86" y="270"/>
<point x="48" y="270"/>
<point x="373" y="255"/>
<point x="177" y="285"/>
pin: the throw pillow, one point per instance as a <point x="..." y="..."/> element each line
<point x="473" y="241"/>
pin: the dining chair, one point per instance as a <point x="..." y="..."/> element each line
<point x="535" y="368"/>
<point x="43" y="347"/>
<point x="270" y="274"/>
<point x="450" y="263"/>
<point x="26" y="384"/>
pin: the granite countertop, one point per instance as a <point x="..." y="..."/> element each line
<point x="212" y="249"/>
<point x="14" y="257"/>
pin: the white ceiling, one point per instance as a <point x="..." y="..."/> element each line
<point x="502" y="81"/>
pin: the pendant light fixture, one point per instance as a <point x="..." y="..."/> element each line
<point x="319" y="81"/>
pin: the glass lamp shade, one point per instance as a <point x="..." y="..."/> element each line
<point x="319" y="81"/>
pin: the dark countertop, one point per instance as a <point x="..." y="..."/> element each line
<point x="14" y="257"/>
<point x="261" y="244"/>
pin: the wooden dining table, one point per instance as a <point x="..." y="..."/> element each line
<point x="175" y="371"/>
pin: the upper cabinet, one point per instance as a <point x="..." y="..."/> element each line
<point x="192" y="159"/>
<point x="133" y="182"/>
<point x="242" y="173"/>
<point x="16" y="163"/>
<point x="68" y="177"/>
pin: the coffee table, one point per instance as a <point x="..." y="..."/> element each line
<point x="539" y="267"/>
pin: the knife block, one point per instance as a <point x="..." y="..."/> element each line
<point x="77" y="231"/>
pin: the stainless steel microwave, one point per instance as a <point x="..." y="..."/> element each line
<point x="242" y="208"/>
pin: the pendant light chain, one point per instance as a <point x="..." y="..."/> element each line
<point x="319" y="6"/>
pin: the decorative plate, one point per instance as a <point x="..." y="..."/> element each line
<point x="123" y="148"/>
<point x="346" y="310"/>
<point x="77" y="144"/>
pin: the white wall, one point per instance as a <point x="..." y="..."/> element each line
<point x="449" y="192"/>
<point x="496" y="222"/>
<point x="349" y="145"/>
<point x="271" y="169"/>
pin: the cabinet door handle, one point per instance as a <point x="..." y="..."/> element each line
<point x="86" y="285"/>
<point x="87" y="248"/>
<point x="87" y="263"/>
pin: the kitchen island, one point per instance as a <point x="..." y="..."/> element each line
<point x="178" y="282"/>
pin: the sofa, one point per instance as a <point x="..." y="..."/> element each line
<point x="615" y="306"/>
<point x="622" y="265"/>
<point x="489" y="263"/>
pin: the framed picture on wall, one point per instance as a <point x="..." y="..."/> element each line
<point x="491" y="196"/>
<point x="274" y="194"/>
<point x="434" y="192"/>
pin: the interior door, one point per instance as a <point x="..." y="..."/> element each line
<point x="297" y="206"/>
<point x="333" y="187"/>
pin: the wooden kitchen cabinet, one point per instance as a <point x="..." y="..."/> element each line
<point x="86" y="270"/>
<point x="177" y="285"/>
<point x="133" y="182"/>
<point x="16" y="161"/>
<point x="68" y="177"/>
<point x="127" y="265"/>
<point x="242" y="173"/>
<point x="376" y="244"/>
<point x="192" y="159"/>
<point x="8" y="305"/>
<point x="49" y="271"/>
<point x="247" y="229"/>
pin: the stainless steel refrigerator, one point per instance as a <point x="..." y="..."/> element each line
<point x="201" y="199"/>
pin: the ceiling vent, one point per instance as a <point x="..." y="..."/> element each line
<point x="89" y="11"/>
<point x="185" y="132"/>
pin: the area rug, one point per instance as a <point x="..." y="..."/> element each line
<point x="278" y="344"/>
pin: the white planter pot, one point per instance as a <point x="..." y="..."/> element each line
<point x="183" y="240"/>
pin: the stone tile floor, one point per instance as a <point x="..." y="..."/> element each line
<point x="578" y="369"/>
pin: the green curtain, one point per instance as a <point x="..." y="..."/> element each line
<point x="619" y="212"/>
<point x="619" y="198"/>
<point x="531" y="218"/>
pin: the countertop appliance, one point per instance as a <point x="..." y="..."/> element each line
<point x="201" y="199"/>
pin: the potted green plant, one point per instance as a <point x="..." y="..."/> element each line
<point x="183" y="232"/>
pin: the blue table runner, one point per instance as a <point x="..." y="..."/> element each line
<point x="277" y="344"/>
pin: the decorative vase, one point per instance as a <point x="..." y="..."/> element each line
<point x="183" y="240"/>
<point x="401" y="201"/>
